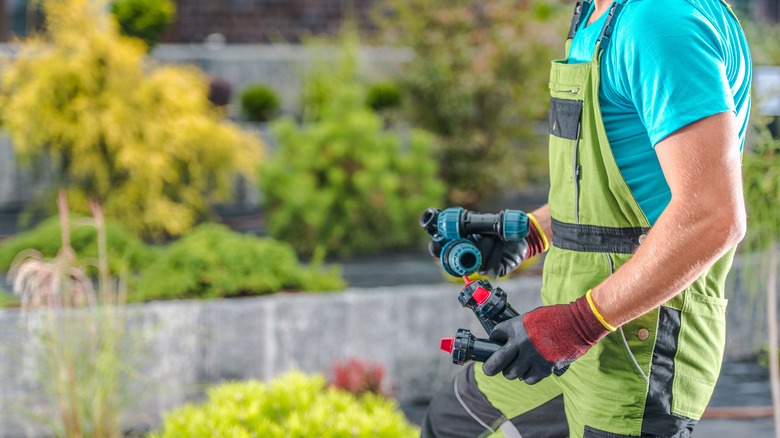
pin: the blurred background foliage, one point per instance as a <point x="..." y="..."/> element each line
<point x="478" y="79"/>
<point x="764" y="41"/>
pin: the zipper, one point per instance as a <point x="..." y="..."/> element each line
<point x="569" y="91"/>
<point x="623" y="333"/>
<point x="577" y="170"/>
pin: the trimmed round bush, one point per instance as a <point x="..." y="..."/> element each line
<point x="259" y="103"/>
<point x="212" y="261"/>
<point x="383" y="96"/>
<point x="294" y="405"/>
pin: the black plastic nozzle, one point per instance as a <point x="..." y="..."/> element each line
<point x="464" y="347"/>
<point x="429" y="220"/>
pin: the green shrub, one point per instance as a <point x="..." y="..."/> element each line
<point x="126" y="252"/>
<point x="212" y="261"/>
<point x="144" y="19"/>
<point x="259" y="103"/>
<point x="293" y="405"/>
<point x="340" y="181"/>
<point x="383" y="96"/>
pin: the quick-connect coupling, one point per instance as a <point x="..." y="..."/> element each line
<point x="460" y="257"/>
<point x="449" y="221"/>
<point x="514" y="226"/>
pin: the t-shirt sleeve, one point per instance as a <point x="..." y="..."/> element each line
<point x="672" y="68"/>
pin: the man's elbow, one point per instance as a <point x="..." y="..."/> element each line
<point x="732" y="226"/>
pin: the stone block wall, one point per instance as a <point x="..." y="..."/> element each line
<point x="263" y="21"/>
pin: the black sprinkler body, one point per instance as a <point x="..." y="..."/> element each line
<point x="489" y="304"/>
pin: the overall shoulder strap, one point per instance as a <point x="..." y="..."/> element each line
<point x="609" y="27"/>
<point x="580" y="10"/>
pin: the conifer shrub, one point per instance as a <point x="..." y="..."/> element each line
<point x="211" y="261"/>
<point x="294" y="405"/>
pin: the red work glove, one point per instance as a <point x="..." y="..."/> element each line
<point x="544" y="340"/>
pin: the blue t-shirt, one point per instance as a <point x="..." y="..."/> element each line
<point x="669" y="63"/>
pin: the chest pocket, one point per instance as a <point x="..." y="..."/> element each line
<point x="565" y="116"/>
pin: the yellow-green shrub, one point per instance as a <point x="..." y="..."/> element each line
<point x="290" y="406"/>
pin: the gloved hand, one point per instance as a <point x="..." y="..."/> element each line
<point x="545" y="340"/>
<point x="499" y="258"/>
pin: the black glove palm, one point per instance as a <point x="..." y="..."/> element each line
<point x="519" y="358"/>
<point x="499" y="258"/>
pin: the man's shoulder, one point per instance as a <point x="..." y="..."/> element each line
<point x="650" y="15"/>
<point x="651" y="25"/>
<point x="646" y="16"/>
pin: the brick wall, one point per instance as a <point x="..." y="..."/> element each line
<point x="262" y="21"/>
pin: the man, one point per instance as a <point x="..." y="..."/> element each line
<point x="647" y="122"/>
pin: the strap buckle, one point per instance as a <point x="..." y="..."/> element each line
<point x="609" y="25"/>
<point x="580" y="9"/>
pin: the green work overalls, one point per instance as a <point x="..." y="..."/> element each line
<point x="654" y="375"/>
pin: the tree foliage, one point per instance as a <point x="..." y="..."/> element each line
<point x="82" y="101"/>
<point x="478" y="79"/>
